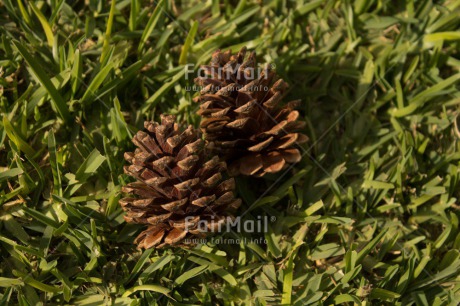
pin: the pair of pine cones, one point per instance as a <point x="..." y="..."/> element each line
<point x="181" y="178"/>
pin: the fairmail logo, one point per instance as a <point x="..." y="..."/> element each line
<point x="248" y="73"/>
<point x="260" y="225"/>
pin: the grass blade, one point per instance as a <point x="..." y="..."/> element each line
<point x="154" y="288"/>
<point x="59" y="103"/>
<point x="150" y="25"/>
<point x="16" y="138"/>
<point x="57" y="186"/>
<point x="46" y="26"/>
<point x="108" y="32"/>
<point x="188" y="43"/>
<point x="95" y="83"/>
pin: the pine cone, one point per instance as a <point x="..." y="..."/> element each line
<point x="176" y="187"/>
<point x="244" y="118"/>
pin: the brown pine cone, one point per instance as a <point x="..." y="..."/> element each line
<point x="175" y="182"/>
<point x="244" y="117"/>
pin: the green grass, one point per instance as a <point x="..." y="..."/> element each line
<point x="369" y="217"/>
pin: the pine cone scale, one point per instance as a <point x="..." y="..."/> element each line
<point x="261" y="145"/>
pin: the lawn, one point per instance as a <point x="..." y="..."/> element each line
<point x="370" y="216"/>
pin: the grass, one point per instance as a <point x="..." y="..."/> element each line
<point x="369" y="217"/>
